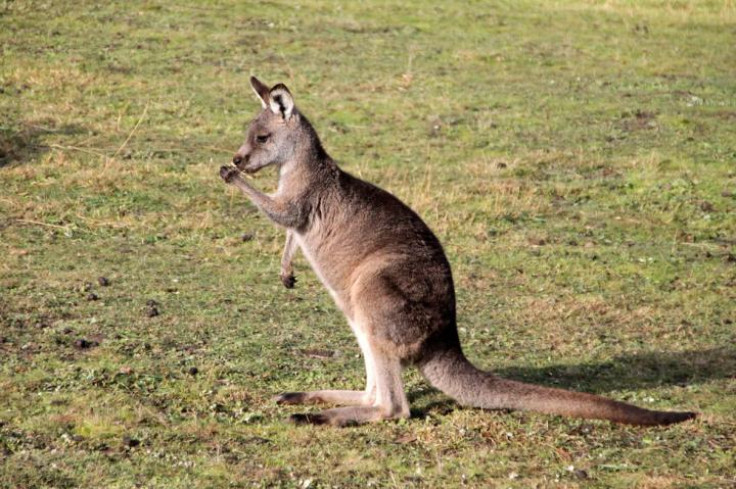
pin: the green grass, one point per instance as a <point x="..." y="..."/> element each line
<point x="576" y="158"/>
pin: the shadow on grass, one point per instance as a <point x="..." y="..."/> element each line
<point x="632" y="372"/>
<point x="20" y="143"/>
<point x="626" y="372"/>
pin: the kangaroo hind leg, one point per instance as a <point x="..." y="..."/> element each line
<point x="340" y="397"/>
<point x="337" y="397"/>
<point x="390" y="401"/>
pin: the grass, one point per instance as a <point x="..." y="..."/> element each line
<point x="576" y="158"/>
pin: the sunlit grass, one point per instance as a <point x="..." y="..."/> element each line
<point x="575" y="158"/>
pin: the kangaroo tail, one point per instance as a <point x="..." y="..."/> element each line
<point x="449" y="371"/>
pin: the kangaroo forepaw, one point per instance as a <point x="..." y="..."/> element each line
<point x="228" y="173"/>
<point x="288" y="280"/>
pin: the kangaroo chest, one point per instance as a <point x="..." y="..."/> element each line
<point x="318" y="266"/>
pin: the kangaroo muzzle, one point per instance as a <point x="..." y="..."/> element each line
<point x="244" y="164"/>
<point x="239" y="161"/>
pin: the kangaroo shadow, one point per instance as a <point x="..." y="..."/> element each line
<point x="633" y="372"/>
<point x="626" y="372"/>
<point x="21" y="142"/>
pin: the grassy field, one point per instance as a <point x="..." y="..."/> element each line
<point x="576" y="158"/>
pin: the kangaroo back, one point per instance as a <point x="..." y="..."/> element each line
<point x="449" y="371"/>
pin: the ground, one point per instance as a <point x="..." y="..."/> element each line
<point x="576" y="158"/>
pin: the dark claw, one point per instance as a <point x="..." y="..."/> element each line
<point x="228" y="173"/>
<point x="302" y="419"/>
<point x="290" y="398"/>
<point x="288" y="280"/>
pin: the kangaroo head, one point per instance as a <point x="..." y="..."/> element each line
<point x="273" y="135"/>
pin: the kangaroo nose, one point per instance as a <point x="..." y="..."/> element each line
<point x="237" y="159"/>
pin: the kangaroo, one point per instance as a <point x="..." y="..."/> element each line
<point x="388" y="274"/>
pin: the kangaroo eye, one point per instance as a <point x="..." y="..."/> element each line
<point x="263" y="138"/>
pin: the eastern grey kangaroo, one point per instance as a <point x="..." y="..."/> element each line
<point x="388" y="274"/>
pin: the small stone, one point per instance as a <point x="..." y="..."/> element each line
<point x="126" y="370"/>
<point x="101" y="447"/>
<point x="706" y="206"/>
<point x="218" y="408"/>
<point x="131" y="442"/>
<point x="536" y="241"/>
<point x="152" y="308"/>
<point x="84" y="344"/>
<point x="103" y="281"/>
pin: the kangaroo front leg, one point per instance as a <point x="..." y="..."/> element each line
<point x="282" y="213"/>
<point x="287" y="271"/>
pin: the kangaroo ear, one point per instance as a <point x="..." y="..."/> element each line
<point x="281" y="101"/>
<point x="260" y="89"/>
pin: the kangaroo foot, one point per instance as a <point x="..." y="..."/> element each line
<point x="346" y="416"/>
<point x="345" y="398"/>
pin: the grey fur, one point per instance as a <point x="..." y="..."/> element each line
<point x="388" y="274"/>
